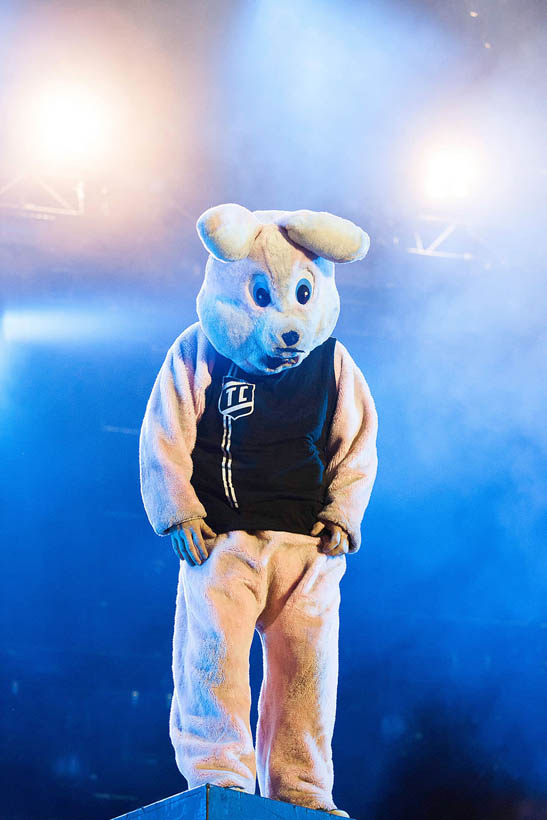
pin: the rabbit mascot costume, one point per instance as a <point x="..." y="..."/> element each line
<point x="258" y="456"/>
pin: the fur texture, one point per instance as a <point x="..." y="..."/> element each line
<point x="229" y="231"/>
<point x="276" y="252"/>
<point x="268" y="299"/>
<point x="175" y="407"/>
<point x="252" y="336"/>
<point x="281" y="585"/>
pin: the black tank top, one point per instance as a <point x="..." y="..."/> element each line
<point x="259" y="459"/>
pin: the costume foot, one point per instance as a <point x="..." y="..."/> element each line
<point x="339" y="812"/>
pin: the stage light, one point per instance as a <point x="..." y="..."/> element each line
<point x="48" y="325"/>
<point x="68" y="125"/>
<point x="450" y="172"/>
<point x="62" y="326"/>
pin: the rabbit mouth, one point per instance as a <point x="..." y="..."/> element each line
<point x="283" y="362"/>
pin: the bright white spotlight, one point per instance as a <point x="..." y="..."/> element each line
<point x="450" y="172"/>
<point x="68" y="125"/>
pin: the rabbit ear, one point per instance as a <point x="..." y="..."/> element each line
<point x="329" y="236"/>
<point x="228" y="231"/>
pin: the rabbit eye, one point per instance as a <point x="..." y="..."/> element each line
<point x="303" y="291"/>
<point x="261" y="295"/>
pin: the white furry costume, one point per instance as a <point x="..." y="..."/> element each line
<point x="274" y="581"/>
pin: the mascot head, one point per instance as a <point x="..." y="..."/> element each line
<point x="269" y="296"/>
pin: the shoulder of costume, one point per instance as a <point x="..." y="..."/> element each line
<point x="193" y="346"/>
<point x="343" y="360"/>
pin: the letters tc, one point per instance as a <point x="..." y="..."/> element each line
<point x="236" y="398"/>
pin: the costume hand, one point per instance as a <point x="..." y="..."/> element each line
<point x="334" y="539"/>
<point x="188" y="541"/>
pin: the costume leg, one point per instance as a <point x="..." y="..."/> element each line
<point x="297" y="705"/>
<point x="215" y="619"/>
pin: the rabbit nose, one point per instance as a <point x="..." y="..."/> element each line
<point x="290" y="338"/>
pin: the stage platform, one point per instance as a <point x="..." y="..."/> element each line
<point x="216" y="803"/>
